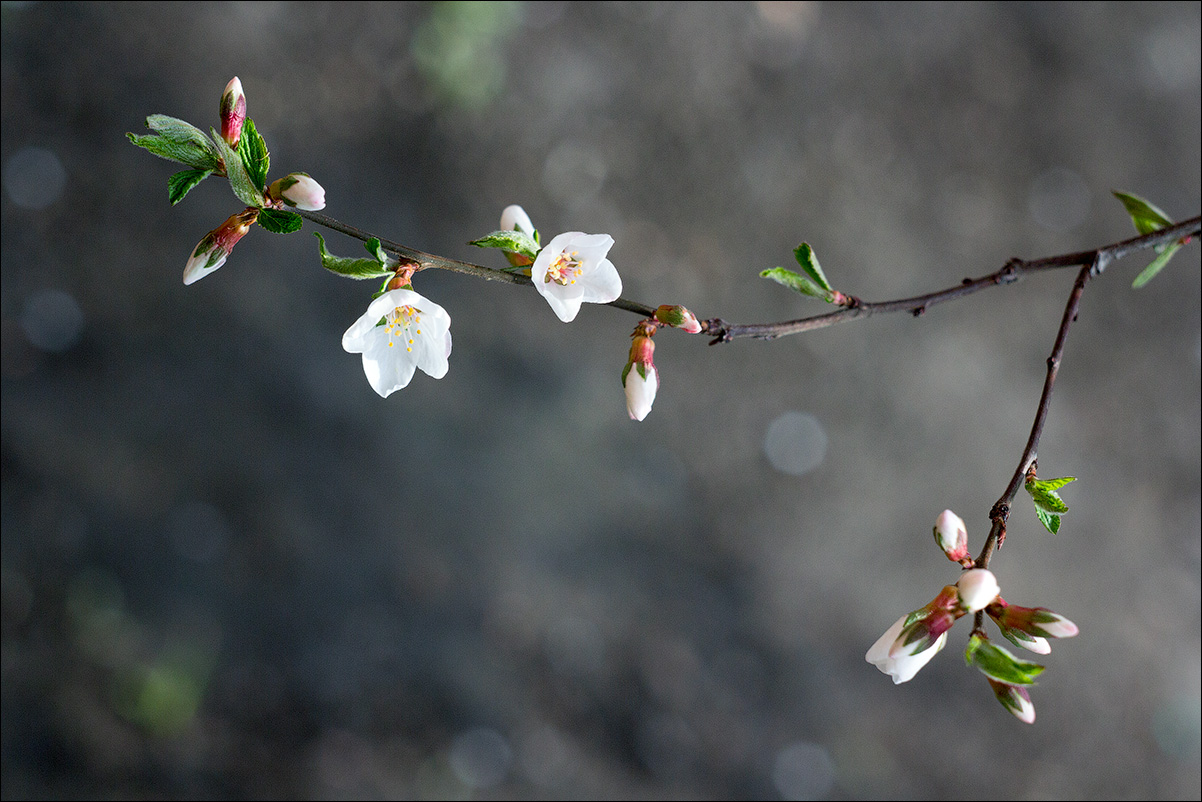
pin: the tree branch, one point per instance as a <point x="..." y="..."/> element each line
<point x="722" y="332"/>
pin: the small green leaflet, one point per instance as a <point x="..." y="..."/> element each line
<point x="355" y="268"/>
<point x="253" y="151"/>
<point x="240" y="180"/>
<point x="177" y="141"/>
<point x="805" y="257"/>
<point x="1148" y="218"/>
<point x="513" y="241"/>
<point x="280" y="222"/>
<point x="182" y="182"/>
<point x="1043" y="493"/>
<point x="796" y="282"/>
<point x="1048" y="504"/>
<point x="998" y="664"/>
<point x="1049" y="521"/>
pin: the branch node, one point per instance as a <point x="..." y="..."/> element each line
<point x="919" y="311"/>
<point x="1009" y="273"/>
<point x="717" y="328"/>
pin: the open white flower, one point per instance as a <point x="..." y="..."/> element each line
<point x="900" y="661"/>
<point x="400" y="332"/>
<point x="572" y="270"/>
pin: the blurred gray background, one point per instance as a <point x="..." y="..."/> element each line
<point x="231" y="570"/>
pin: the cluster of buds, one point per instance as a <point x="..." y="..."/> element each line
<point x="297" y="190"/>
<point x="916" y="638"/>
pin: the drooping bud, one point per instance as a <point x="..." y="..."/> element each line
<point x="951" y="535"/>
<point x="678" y="318"/>
<point x="212" y="251"/>
<point x="233" y="112"/>
<point x="640" y="379"/>
<point x="1014" y="699"/>
<point x="904" y="662"/>
<point x="1030" y="627"/>
<point x="977" y="588"/>
<point x="299" y="190"/>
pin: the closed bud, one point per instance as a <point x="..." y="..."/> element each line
<point x="977" y="588"/>
<point x="640" y="379"/>
<point x="951" y="535"/>
<point x="299" y="190"/>
<point x="678" y="318"/>
<point x="233" y="112"/>
<point x="1030" y="627"/>
<point x="514" y="218"/>
<point x="212" y="251"/>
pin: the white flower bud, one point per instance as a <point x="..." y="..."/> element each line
<point x="299" y="190"/>
<point x="514" y="218"/>
<point x="951" y="535"/>
<point x="977" y="588"/>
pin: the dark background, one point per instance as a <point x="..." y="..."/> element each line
<point x="231" y="570"/>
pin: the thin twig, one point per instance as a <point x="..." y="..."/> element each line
<point x="721" y="331"/>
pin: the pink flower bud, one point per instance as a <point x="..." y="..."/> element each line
<point x="951" y="535"/>
<point x="1030" y="627"/>
<point x="640" y="379"/>
<point x="299" y="190"/>
<point x="233" y="112"/>
<point x="678" y="318"/>
<point x="977" y="588"/>
<point x="1014" y="699"/>
<point x="212" y="251"/>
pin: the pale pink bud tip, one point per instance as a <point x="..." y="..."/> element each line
<point x="233" y="112"/>
<point x="299" y="190"/>
<point x="952" y="535"/>
<point x="514" y="218"/>
<point x="678" y="318"/>
<point x="1016" y="700"/>
<point x="977" y="588"/>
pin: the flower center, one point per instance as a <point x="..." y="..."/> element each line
<point x="401" y="323"/>
<point x="564" y="269"/>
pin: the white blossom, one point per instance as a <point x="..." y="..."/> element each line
<point x="572" y="270"/>
<point x="400" y="332"/>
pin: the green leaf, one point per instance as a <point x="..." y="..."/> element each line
<point x="377" y="250"/>
<point x="351" y="268"/>
<point x="182" y="182"/>
<point x="1156" y="265"/>
<point x="998" y="664"/>
<point x="280" y="222"/>
<point x="240" y="180"/>
<point x="513" y="241"/>
<point x="177" y="141"/>
<point x="1146" y="216"/>
<point x="805" y="257"/>
<point x="253" y="151"/>
<point x="1043" y="493"/>
<point x="1050" y="522"/>
<point x="796" y="282"/>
